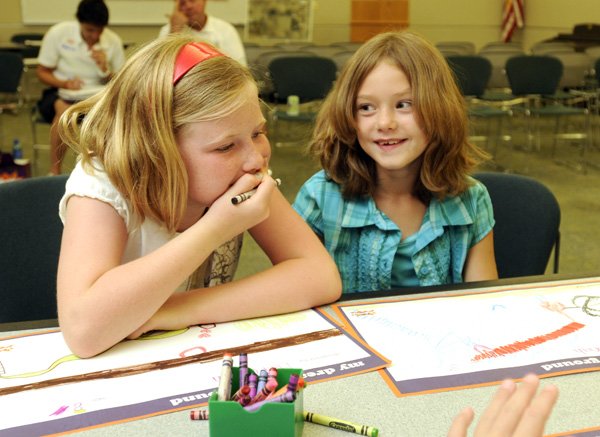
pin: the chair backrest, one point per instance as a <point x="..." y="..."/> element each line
<point x="532" y="74"/>
<point x="22" y="38"/>
<point x="11" y="70"/>
<point x="501" y="46"/>
<point x="527" y="224"/>
<point x="30" y="247"/>
<point x="340" y="58"/>
<point x="543" y="47"/>
<point x="576" y="68"/>
<point x="459" y="47"/>
<point x="498" y="60"/>
<point x="472" y="73"/>
<point x="260" y="67"/>
<point x="308" y="77"/>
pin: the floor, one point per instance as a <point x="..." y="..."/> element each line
<point x="576" y="186"/>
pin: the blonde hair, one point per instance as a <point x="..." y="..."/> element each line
<point x="439" y="109"/>
<point x="131" y="126"/>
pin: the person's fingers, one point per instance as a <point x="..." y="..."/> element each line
<point x="535" y="416"/>
<point x="461" y="423"/>
<point x="512" y="412"/>
<point x="488" y="418"/>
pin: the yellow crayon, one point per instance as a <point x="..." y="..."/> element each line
<point x="340" y="424"/>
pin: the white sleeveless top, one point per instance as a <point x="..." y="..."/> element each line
<point x="150" y="235"/>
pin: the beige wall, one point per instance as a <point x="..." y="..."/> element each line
<point x="473" y="20"/>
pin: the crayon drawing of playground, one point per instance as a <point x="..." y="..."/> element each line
<point x="453" y="342"/>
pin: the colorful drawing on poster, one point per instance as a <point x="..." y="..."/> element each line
<point x="478" y="339"/>
<point x="72" y="393"/>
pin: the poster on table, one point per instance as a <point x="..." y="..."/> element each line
<point x="453" y="342"/>
<point x="49" y="390"/>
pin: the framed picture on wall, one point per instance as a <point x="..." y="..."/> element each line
<point x="291" y="20"/>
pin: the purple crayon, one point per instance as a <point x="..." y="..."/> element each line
<point x="288" y="396"/>
<point x="199" y="414"/>
<point x="293" y="383"/>
<point x="252" y="381"/>
<point x="243" y="369"/>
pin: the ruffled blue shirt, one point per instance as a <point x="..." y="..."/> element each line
<point x="363" y="241"/>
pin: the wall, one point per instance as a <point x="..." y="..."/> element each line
<point x="474" y="20"/>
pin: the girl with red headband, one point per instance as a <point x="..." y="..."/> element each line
<point x="151" y="238"/>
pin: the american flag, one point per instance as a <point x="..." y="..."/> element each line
<point x="512" y="17"/>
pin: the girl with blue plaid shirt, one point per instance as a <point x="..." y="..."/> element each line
<point x="394" y="204"/>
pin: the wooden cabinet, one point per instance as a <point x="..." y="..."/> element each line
<point x="370" y="17"/>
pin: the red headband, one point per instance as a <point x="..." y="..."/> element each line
<point x="191" y="54"/>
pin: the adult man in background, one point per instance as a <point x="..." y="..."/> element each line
<point x="190" y="16"/>
<point x="76" y="55"/>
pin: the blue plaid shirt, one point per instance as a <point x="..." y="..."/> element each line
<point x="363" y="240"/>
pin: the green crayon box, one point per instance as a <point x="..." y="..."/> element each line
<point x="274" y="419"/>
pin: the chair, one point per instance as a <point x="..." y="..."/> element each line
<point x="31" y="41"/>
<point x="577" y="67"/>
<point x="543" y="47"/>
<point x="348" y="45"/>
<point x="11" y="71"/>
<point x="340" y="59"/>
<point x="458" y="47"/>
<point x="498" y="59"/>
<point x="30" y="248"/>
<point x="308" y="77"/>
<point x="260" y="68"/>
<point x="501" y="46"/>
<point x="537" y="78"/>
<point x="472" y="73"/>
<point x="527" y="224"/>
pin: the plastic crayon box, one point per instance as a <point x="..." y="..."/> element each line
<point x="275" y="419"/>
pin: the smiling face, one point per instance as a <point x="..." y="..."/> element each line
<point x="386" y="123"/>
<point x="217" y="153"/>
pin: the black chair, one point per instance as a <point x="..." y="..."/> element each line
<point x="527" y="224"/>
<point x="308" y="77"/>
<point x="537" y="78"/>
<point x="11" y="71"/>
<point x="30" y="41"/>
<point x="30" y="247"/>
<point x="472" y="73"/>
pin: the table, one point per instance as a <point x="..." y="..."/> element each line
<point x="366" y="399"/>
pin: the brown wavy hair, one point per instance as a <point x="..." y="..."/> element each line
<point x="439" y="109"/>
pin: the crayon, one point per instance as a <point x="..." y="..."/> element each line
<point x="272" y="374"/>
<point x="282" y="390"/>
<point x="264" y="393"/>
<point x="293" y="382"/>
<point x="340" y="424"/>
<point x="243" y="369"/>
<point x="262" y="380"/>
<point x="238" y="395"/>
<point x="224" y="390"/>
<point x="252" y="381"/>
<point x="248" y="194"/>
<point x="288" y="396"/>
<point x="199" y="414"/>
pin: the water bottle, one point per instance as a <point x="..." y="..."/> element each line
<point x="17" y="150"/>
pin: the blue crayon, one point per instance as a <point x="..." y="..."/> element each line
<point x="252" y="382"/>
<point x="262" y="380"/>
<point x="243" y="369"/>
<point x="288" y="396"/>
